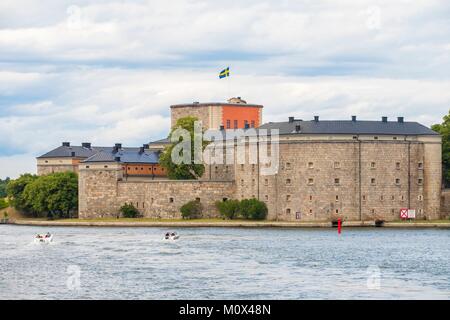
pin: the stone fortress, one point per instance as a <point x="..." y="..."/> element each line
<point x="327" y="169"/>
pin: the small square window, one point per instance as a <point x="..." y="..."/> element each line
<point x="372" y="181"/>
<point x="171" y="200"/>
<point x="419" y="181"/>
<point x="364" y="197"/>
<point x="397" y="165"/>
<point x="288" y="165"/>
<point x="336" y="181"/>
<point x="288" y="197"/>
<point x="242" y="182"/>
<point x="266" y="182"/>
<point x="288" y="181"/>
<point x="310" y="181"/>
<point x="420" y="197"/>
<point x="310" y="165"/>
<point x="337" y="210"/>
<point x="397" y="181"/>
<point x="337" y="165"/>
<point x="337" y="198"/>
<point x="310" y="198"/>
<point x="420" y="165"/>
<point x="242" y="167"/>
<point x="372" y="165"/>
<point x="266" y="197"/>
<point x="288" y="211"/>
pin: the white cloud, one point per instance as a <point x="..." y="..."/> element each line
<point x="107" y="71"/>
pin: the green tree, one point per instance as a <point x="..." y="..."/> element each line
<point x="3" y="184"/>
<point x="228" y="209"/>
<point x="15" y="189"/>
<point x="54" y="195"/>
<point x="3" y="203"/>
<point x="191" y="209"/>
<point x="129" y="211"/>
<point x="182" y="171"/>
<point x="253" y="209"/>
<point x="444" y="130"/>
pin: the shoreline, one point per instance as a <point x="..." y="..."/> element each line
<point x="227" y="224"/>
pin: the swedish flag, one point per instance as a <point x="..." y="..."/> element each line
<point x="224" y="73"/>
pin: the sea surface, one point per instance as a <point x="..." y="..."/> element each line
<point x="224" y="263"/>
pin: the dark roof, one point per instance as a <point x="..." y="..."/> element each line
<point x="219" y="104"/>
<point x="350" y="127"/>
<point x="80" y="152"/>
<point x="126" y="156"/>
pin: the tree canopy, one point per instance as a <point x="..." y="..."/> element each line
<point x="444" y="130"/>
<point x="3" y="184"/>
<point x="180" y="171"/>
<point x="53" y="195"/>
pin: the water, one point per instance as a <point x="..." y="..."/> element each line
<point x="227" y="263"/>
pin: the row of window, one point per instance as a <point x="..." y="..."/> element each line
<point x="337" y="165"/>
<point x="337" y="181"/>
<point x="235" y="124"/>
<point x="337" y="198"/>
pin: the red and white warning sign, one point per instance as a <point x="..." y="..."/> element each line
<point x="404" y="213"/>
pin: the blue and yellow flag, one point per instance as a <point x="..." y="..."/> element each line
<point x="224" y="73"/>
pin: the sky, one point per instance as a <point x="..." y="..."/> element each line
<point x="106" y="71"/>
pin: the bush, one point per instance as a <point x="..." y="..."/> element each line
<point x="228" y="209"/>
<point x="3" y="203"/>
<point x="192" y="209"/>
<point x="129" y="211"/>
<point x="253" y="209"/>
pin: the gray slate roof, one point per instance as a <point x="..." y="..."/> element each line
<point x="126" y="156"/>
<point x="351" y="127"/>
<point x="80" y="152"/>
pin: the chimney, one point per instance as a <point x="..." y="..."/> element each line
<point x="117" y="159"/>
<point x="72" y="154"/>
<point x="400" y="119"/>
<point x="354" y="118"/>
<point x="146" y="145"/>
<point x="66" y="144"/>
<point x="297" y="128"/>
<point x="86" y="145"/>
<point x="141" y="150"/>
<point x="291" y="119"/>
<point x="222" y="127"/>
<point x="384" y="119"/>
<point x="316" y="118"/>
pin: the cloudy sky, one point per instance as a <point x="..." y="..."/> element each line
<point x="107" y="71"/>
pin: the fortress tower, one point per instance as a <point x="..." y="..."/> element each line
<point x="235" y="114"/>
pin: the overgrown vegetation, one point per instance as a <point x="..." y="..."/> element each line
<point x="3" y="203"/>
<point x="444" y="130"/>
<point x="192" y="210"/>
<point x="52" y="196"/>
<point x="228" y="209"/>
<point x="129" y="211"/>
<point x="3" y="184"/>
<point x="247" y="209"/>
<point x="182" y="171"/>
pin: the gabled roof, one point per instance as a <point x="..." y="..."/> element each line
<point x="350" y="127"/>
<point x="66" y="151"/>
<point x="126" y="156"/>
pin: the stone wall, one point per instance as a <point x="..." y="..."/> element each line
<point x="203" y="113"/>
<point x="349" y="178"/>
<point x="445" y="203"/>
<point x="103" y="191"/>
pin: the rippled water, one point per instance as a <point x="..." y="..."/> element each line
<point x="227" y="263"/>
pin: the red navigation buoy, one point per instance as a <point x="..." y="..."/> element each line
<point x="339" y="226"/>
